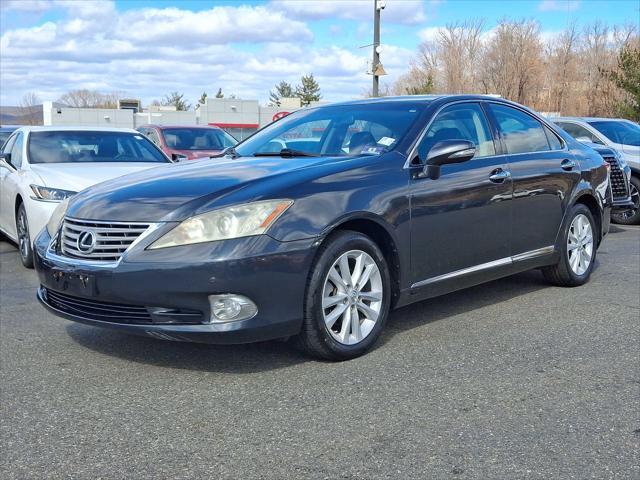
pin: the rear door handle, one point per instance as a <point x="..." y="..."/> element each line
<point x="567" y="164"/>
<point x="499" y="175"/>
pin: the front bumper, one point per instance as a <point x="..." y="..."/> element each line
<point x="173" y="294"/>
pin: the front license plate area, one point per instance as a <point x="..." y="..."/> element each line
<point x="75" y="283"/>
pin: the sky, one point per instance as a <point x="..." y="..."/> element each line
<point x="148" y="48"/>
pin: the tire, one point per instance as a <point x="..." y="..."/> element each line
<point x="24" y="238"/>
<point x="577" y="249"/>
<point x="631" y="216"/>
<point x="325" y="334"/>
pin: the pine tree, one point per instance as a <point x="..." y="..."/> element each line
<point x="425" y="87"/>
<point x="627" y="78"/>
<point x="309" y="90"/>
<point x="283" y="90"/>
<point x="219" y="94"/>
<point x="177" y="100"/>
<point x="203" y="99"/>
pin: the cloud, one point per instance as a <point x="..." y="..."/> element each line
<point x="559" y="5"/>
<point x="428" y="34"/>
<point x="406" y="12"/>
<point x="31" y="6"/>
<point x="148" y="52"/>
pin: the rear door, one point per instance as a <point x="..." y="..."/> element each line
<point x="461" y="220"/>
<point x="544" y="174"/>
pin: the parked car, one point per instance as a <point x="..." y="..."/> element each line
<point x="5" y="133"/>
<point x="623" y="136"/>
<point x="433" y="194"/>
<point x="188" y="143"/>
<point x="42" y="166"/>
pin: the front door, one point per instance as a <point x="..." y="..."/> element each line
<point x="460" y="222"/>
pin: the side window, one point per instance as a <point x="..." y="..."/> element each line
<point x="577" y="131"/>
<point x="9" y="145"/>
<point x="554" y="141"/>
<point x="16" y="151"/>
<point x="464" y="121"/>
<point x="521" y="132"/>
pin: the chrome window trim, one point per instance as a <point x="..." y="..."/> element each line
<point x="414" y="147"/>
<point x="502" y="262"/>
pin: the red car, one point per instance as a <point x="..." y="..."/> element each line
<point x="188" y="143"/>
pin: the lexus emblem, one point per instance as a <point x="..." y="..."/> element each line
<point x="86" y="241"/>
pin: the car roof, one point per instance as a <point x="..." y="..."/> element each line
<point x="162" y="127"/>
<point x="56" y="128"/>
<point x="588" y="119"/>
<point x="421" y="99"/>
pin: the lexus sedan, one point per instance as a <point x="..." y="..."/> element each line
<point x="401" y="199"/>
<point x="42" y="166"/>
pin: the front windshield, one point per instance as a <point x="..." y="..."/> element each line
<point x="335" y="130"/>
<point x="92" y="146"/>
<point x="625" y="133"/>
<point x="3" y="137"/>
<point x="197" y="138"/>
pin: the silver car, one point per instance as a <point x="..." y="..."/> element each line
<point x="624" y="137"/>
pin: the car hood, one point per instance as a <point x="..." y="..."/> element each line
<point x="180" y="190"/>
<point x="78" y="176"/>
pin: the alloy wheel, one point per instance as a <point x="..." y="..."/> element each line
<point x="352" y="297"/>
<point x="23" y="234"/>
<point x="580" y="244"/>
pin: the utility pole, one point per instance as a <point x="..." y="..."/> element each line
<point x="378" y="5"/>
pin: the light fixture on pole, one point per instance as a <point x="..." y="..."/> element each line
<point x="376" y="67"/>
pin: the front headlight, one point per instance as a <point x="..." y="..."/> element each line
<point x="224" y="224"/>
<point x="56" y="218"/>
<point x="50" y="194"/>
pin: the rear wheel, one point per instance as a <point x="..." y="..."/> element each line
<point x="347" y="300"/>
<point x="631" y="216"/>
<point x="578" y="250"/>
<point x="24" y="238"/>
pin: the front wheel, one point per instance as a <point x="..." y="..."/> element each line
<point x="347" y="300"/>
<point x="578" y="250"/>
<point x="24" y="239"/>
<point x="631" y="216"/>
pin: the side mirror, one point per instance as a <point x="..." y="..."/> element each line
<point x="584" y="139"/>
<point x="445" y="153"/>
<point x="6" y="159"/>
<point x="176" y="157"/>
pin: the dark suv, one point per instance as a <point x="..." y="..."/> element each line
<point x="319" y="224"/>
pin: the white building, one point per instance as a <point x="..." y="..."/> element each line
<point x="238" y="117"/>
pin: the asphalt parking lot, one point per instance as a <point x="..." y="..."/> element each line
<point x="513" y="379"/>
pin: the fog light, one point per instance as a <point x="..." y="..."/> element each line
<point x="231" y="308"/>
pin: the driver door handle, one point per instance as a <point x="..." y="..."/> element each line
<point x="499" y="175"/>
<point x="567" y="164"/>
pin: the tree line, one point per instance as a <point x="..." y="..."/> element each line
<point x="590" y="71"/>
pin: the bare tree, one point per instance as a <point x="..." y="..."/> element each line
<point x="561" y="62"/>
<point x="512" y="63"/>
<point x="31" y="106"/>
<point x="84" y="98"/>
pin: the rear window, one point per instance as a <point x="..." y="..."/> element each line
<point x="88" y="147"/>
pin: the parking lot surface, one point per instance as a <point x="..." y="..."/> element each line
<point x="512" y="379"/>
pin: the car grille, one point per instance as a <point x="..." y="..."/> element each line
<point x="93" y="310"/>
<point x="618" y="181"/>
<point x="111" y="238"/>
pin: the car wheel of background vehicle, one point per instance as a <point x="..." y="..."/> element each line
<point x="578" y="250"/>
<point x="347" y="300"/>
<point x="24" y="239"/>
<point x="631" y="216"/>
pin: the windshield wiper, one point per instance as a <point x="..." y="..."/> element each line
<point x="285" y="152"/>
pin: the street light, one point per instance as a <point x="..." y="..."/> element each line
<point x="376" y="66"/>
